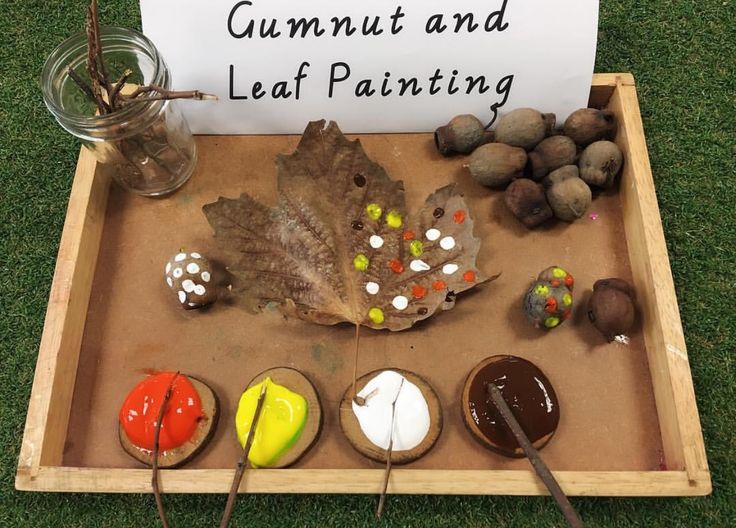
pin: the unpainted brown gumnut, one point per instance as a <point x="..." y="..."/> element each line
<point x="461" y="135"/>
<point x="600" y="162"/>
<point x="611" y="307"/>
<point x="586" y="125"/>
<point x="550" y="154"/>
<point x="524" y="127"/>
<point x="568" y="195"/>
<point x="527" y="202"/>
<point x="189" y="275"/>
<point x="496" y="164"/>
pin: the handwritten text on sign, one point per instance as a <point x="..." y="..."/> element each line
<point x="372" y="66"/>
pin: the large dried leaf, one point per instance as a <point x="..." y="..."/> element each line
<point x="301" y="253"/>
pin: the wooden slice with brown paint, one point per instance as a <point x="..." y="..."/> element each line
<point x="179" y="456"/>
<point x="351" y="427"/>
<point x="296" y="382"/>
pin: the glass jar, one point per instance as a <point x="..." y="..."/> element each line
<point x="147" y="143"/>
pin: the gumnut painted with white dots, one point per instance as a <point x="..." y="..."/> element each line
<point x="189" y="275"/>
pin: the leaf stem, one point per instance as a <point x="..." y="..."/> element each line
<point x="357" y="399"/>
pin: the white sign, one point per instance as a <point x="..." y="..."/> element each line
<point x="372" y="65"/>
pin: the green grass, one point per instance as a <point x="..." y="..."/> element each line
<point x="682" y="54"/>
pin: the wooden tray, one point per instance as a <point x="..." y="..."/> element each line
<point x="630" y="424"/>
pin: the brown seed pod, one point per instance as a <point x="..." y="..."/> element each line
<point x="524" y="127"/>
<point x="600" y="162"/>
<point x="496" y="164"/>
<point x="461" y="135"/>
<point x="586" y="125"/>
<point x="568" y="195"/>
<point x="552" y="153"/>
<point x="611" y="307"/>
<point x="527" y="202"/>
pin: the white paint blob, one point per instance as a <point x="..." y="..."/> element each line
<point x="199" y="289"/>
<point x="206" y="276"/>
<point x="195" y="255"/>
<point x="182" y="297"/>
<point x="188" y="285"/>
<point x="178" y="272"/>
<point x="411" y="419"/>
<point x="375" y="241"/>
<point x="372" y="288"/>
<point x="400" y="302"/>
<point x="169" y="282"/>
<point x="449" y="269"/>
<point x="419" y="265"/>
<point x="432" y="234"/>
<point x="168" y="267"/>
<point x="192" y="268"/>
<point x="447" y="243"/>
<point x="180" y="257"/>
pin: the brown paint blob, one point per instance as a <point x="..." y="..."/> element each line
<point x="359" y="180"/>
<point x="357" y="225"/>
<point x="438" y="213"/>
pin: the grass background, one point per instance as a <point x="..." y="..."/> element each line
<point x="683" y="55"/>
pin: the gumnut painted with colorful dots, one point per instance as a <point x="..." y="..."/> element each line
<point x="189" y="275"/>
<point x="548" y="303"/>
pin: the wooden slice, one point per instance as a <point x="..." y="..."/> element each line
<point x="178" y="456"/>
<point x="528" y="393"/>
<point x="297" y="382"/>
<point x="351" y="427"/>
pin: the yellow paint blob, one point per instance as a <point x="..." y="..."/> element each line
<point x="393" y="219"/>
<point x="551" y="322"/>
<point x="282" y="420"/>
<point x="376" y="315"/>
<point x="373" y="210"/>
<point x="567" y="299"/>
<point x="361" y="262"/>
<point x="559" y="273"/>
<point x="416" y="248"/>
<point x="541" y="289"/>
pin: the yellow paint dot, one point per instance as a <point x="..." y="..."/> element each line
<point x="373" y="210"/>
<point x="376" y="315"/>
<point x="541" y="289"/>
<point x="393" y="219"/>
<point x="567" y="299"/>
<point x="416" y="248"/>
<point x="361" y="262"/>
<point x="551" y="322"/>
<point x="559" y="273"/>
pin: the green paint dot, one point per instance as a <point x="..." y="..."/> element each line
<point x="376" y="315"/>
<point x="551" y="322"/>
<point x="567" y="299"/>
<point x="416" y="248"/>
<point x="373" y="210"/>
<point x="393" y="219"/>
<point x="559" y="273"/>
<point x="361" y="262"/>
<point x="541" y="289"/>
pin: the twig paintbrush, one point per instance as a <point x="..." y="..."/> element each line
<point x="382" y="499"/>
<point x="156" y="440"/>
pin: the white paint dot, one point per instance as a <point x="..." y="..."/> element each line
<point x="206" y="276"/>
<point x="447" y="243"/>
<point x="432" y="234"/>
<point x="375" y="241"/>
<point x="195" y="255"/>
<point x="449" y="269"/>
<point x="400" y="302"/>
<point x="372" y="288"/>
<point x="192" y="267"/>
<point x="199" y="289"/>
<point x="180" y="257"/>
<point x="419" y="265"/>
<point x="169" y="282"/>
<point x="192" y="304"/>
<point x="178" y="272"/>
<point x="188" y="285"/>
<point x="182" y="297"/>
<point x="168" y="267"/>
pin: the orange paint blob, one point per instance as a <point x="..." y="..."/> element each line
<point x="140" y="410"/>
<point x="469" y="276"/>
<point x="418" y="292"/>
<point x="555" y="283"/>
<point x="439" y="285"/>
<point x="551" y="305"/>
<point x="459" y="217"/>
<point x="569" y="281"/>
<point x="409" y="235"/>
<point x="396" y="266"/>
<point x="566" y="315"/>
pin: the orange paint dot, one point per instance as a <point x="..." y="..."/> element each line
<point x="439" y="285"/>
<point x="569" y="281"/>
<point x="396" y="266"/>
<point x="418" y="292"/>
<point x="469" y="276"/>
<point x="409" y="235"/>
<point x="566" y="315"/>
<point x="459" y="217"/>
<point x="554" y="283"/>
<point x="551" y="305"/>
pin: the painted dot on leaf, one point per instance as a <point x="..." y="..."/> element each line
<point x="359" y="180"/>
<point x="357" y="225"/>
<point x="396" y="266"/>
<point x="374" y="211"/>
<point x="449" y="269"/>
<point x="376" y="315"/>
<point x="375" y="241"/>
<point x="438" y="213"/>
<point x="361" y="262"/>
<point x="418" y="291"/>
<point x="409" y="235"/>
<point x="393" y="219"/>
<point x="432" y="234"/>
<point x="447" y="243"/>
<point x="400" y="302"/>
<point x="372" y="288"/>
<point x="469" y="276"/>
<point x="439" y="285"/>
<point x="419" y="265"/>
<point x="423" y="310"/>
<point x="551" y="322"/>
<point x="416" y="248"/>
<point x="458" y="217"/>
